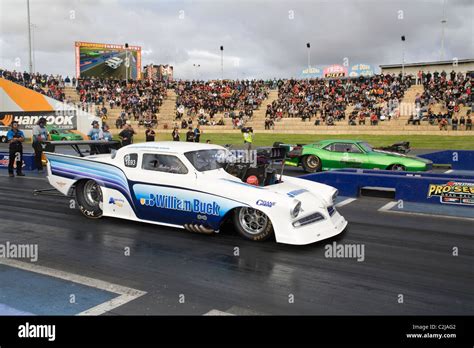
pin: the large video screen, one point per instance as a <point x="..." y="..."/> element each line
<point x="107" y="60"/>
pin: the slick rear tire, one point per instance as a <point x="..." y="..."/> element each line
<point x="89" y="198"/>
<point x="311" y="164"/>
<point x="253" y="224"/>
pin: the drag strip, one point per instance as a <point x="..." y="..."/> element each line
<point x="186" y="273"/>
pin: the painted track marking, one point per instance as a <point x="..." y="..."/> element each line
<point x="126" y="294"/>
<point x="345" y="202"/>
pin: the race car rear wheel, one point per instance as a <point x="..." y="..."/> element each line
<point x="89" y="197"/>
<point x="311" y="163"/>
<point x="253" y="224"/>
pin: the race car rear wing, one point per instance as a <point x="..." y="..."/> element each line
<point x="84" y="147"/>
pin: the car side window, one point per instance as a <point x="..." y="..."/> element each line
<point x="163" y="163"/>
<point x="329" y="147"/>
<point x="343" y="147"/>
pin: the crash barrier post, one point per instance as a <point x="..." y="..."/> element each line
<point x="28" y="161"/>
<point x="420" y="187"/>
<point x="457" y="159"/>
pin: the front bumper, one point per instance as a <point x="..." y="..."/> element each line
<point x="311" y="233"/>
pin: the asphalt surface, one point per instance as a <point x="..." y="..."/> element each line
<point x="404" y="255"/>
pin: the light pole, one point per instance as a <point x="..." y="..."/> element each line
<point x="308" y="45"/>
<point x="196" y="71"/>
<point x="33" y="26"/>
<point x="222" y="63"/>
<point x="443" y="24"/>
<point x="403" y="56"/>
<point x="29" y="36"/>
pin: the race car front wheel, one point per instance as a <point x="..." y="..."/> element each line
<point x="311" y="164"/>
<point x="253" y="224"/>
<point x="398" y="167"/>
<point x="89" y="198"/>
<point x="3" y="139"/>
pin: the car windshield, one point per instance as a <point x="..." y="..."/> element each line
<point x="204" y="160"/>
<point x="366" y="147"/>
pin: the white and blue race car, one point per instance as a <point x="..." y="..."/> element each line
<point x="185" y="185"/>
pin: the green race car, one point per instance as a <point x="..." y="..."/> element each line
<point x="336" y="154"/>
<point x="62" y="134"/>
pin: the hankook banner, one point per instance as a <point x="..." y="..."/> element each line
<point x="28" y="119"/>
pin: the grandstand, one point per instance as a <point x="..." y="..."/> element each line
<point x="166" y="113"/>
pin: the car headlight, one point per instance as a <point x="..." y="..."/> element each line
<point x="294" y="212"/>
<point x="334" y="196"/>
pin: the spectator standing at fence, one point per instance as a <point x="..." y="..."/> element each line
<point x="40" y="135"/>
<point x="106" y="135"/>
<point x="443" y="124"/>
<point x="95" y="133"/>
<point x="468" y="122"/>
<point x="190" y="135"/>
<point x="175" y="134"/>
<point x="127" y="134"/>
<point x="454" y="123"/>
<point x="15" y="139"/>
<point x="197" y="134"/>
<point x="149" y="134"/>
<point x="462" y="122"/>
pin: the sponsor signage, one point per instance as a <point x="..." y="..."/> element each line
<point x="338" y="71"/>
<point x="28" y="161"/>
<point x="335" y="71"/>
<point x="361" y="70"/>
<point x="312" y="72"/>
<point x="459" y="193"/>
<point x="27" y="119"/>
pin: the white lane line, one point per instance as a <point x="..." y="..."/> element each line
<point x="388" y="206"/>
<point x="216" y="312"/>
<point x="431" y="215"/>
<point x="345" y="202"/>
<point x="126" y="294"/>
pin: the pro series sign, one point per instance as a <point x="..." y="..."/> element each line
<point x="461" y="193"/>
<point x="27" y="120"/>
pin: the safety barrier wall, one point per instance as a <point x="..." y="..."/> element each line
<point x="28" y="161"/>
<point x="457" y="159"/>
<point x="422" y="187"/>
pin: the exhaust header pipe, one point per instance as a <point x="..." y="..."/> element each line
<point x="198" y="228"/>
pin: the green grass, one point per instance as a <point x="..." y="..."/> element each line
<point x="416" y="141"/>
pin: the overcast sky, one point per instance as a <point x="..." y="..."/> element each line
<point x="260" y="38"/>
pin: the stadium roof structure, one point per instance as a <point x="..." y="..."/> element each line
<point x="439" y="62"/>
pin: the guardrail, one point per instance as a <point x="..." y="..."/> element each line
<point x="457" y="159"/>
<point x="419" y="187"/>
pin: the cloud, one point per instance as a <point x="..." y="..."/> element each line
<point x="266" y="38"/>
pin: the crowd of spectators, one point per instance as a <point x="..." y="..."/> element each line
<point x="325" y="100"/>
<point x="236" y="100"/>
<point x="451" y="91"/>
<point x="49" y="85"/>
<point x="139" y="100"/>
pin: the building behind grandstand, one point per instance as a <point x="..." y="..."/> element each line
<point x="458" y="65"/>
